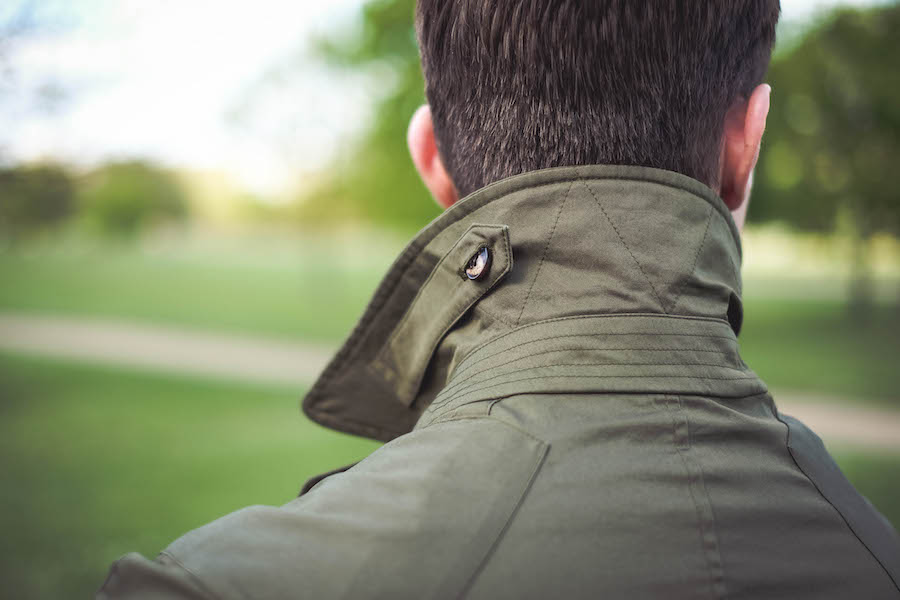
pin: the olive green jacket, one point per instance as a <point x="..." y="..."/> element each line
<point x="570" y="418"/>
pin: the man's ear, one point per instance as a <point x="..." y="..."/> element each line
<point x="744" y="127"/>
<point x="424" y="152"/>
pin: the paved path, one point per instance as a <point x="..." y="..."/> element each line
<point x="164" y="349"/>
<point x="268" y="361"/>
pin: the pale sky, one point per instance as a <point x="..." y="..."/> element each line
<point x="195" y="83"/>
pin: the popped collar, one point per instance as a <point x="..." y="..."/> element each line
<point x="601" y="278"/>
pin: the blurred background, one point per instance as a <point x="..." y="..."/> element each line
<point x="197" y="200"/>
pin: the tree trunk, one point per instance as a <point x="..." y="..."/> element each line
<point x="861" y="297"/>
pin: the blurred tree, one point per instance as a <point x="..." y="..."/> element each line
<point x="34" y="198"/>
<point x="123" y="198"/>
<point x="833" y="134"/>
<point x="376" y="181"/>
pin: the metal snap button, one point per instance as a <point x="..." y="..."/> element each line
<point x="478" y="265"/>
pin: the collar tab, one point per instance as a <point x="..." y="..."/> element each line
<point x="444" y="297"/>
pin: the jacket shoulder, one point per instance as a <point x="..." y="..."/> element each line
<point x="871" y="528"/>
<point x="416" y="518"/>
<point x="133" y="576"/>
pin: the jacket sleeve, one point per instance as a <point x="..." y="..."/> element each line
<point x="134" y="577"/>
<point x="415" y="519"/>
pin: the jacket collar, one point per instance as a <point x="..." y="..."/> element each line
<point x="613" y="252"/>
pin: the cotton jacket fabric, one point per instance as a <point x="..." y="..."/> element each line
<point x="574" y="422"/>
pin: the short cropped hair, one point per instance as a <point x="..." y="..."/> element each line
<point x="519" y="85"/>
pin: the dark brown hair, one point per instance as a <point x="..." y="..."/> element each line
<point x="518" y="85"/>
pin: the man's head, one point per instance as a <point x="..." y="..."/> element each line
<point x="519" y="85"/>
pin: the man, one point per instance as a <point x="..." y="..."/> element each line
<point x="555" y="357"/>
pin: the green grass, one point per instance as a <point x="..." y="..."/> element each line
<point x="819" y="347"/>
<point x="95" y="463"/>
<point x="876" y="476"/>
<point x="314" y="289"/>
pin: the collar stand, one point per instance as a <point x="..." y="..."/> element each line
<point x="595" y="240"/>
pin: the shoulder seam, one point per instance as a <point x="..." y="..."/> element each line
<point x="200" y="583"/>
<point x="545" y="446"/>
<point x="840" y="513"/>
